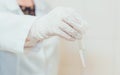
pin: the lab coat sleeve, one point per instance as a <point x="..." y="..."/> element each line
<point x="13" y="31"/>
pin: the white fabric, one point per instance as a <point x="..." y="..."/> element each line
<point x="43" y="58"/>
<point x="14" y="28"/>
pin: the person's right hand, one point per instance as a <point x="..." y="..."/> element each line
<point x="62" y="22"/>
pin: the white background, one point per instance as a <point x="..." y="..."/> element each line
<point x="102" y="38"/>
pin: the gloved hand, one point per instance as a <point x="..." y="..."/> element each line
<point x="62" y="22"/>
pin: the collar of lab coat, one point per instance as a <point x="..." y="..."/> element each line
<point x="13" y="6"/>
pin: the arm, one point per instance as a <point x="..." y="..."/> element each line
<point x="13" y="31"/>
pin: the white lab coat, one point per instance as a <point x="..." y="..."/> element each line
<point x="14" y="27"/>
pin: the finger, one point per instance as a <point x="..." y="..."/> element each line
<point x="83" y="27"/>
<point x="82" y="22"/>
<point x="77" y="20"/>
<point x="76" y="23"/>
<point x="70" y="31"/>
<point x="64" y="35"/>
<point x="72" y="24"/>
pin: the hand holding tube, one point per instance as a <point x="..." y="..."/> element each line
<point x="63" y="22"/>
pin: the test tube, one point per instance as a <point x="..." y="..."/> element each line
<point x="81" y="52"/>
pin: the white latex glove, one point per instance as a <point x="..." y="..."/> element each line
<point x="62" y="22"/>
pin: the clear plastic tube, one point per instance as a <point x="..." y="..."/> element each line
<point x="82" y="52"/>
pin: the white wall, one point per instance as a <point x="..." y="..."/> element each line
<point x="102" y="38"/>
